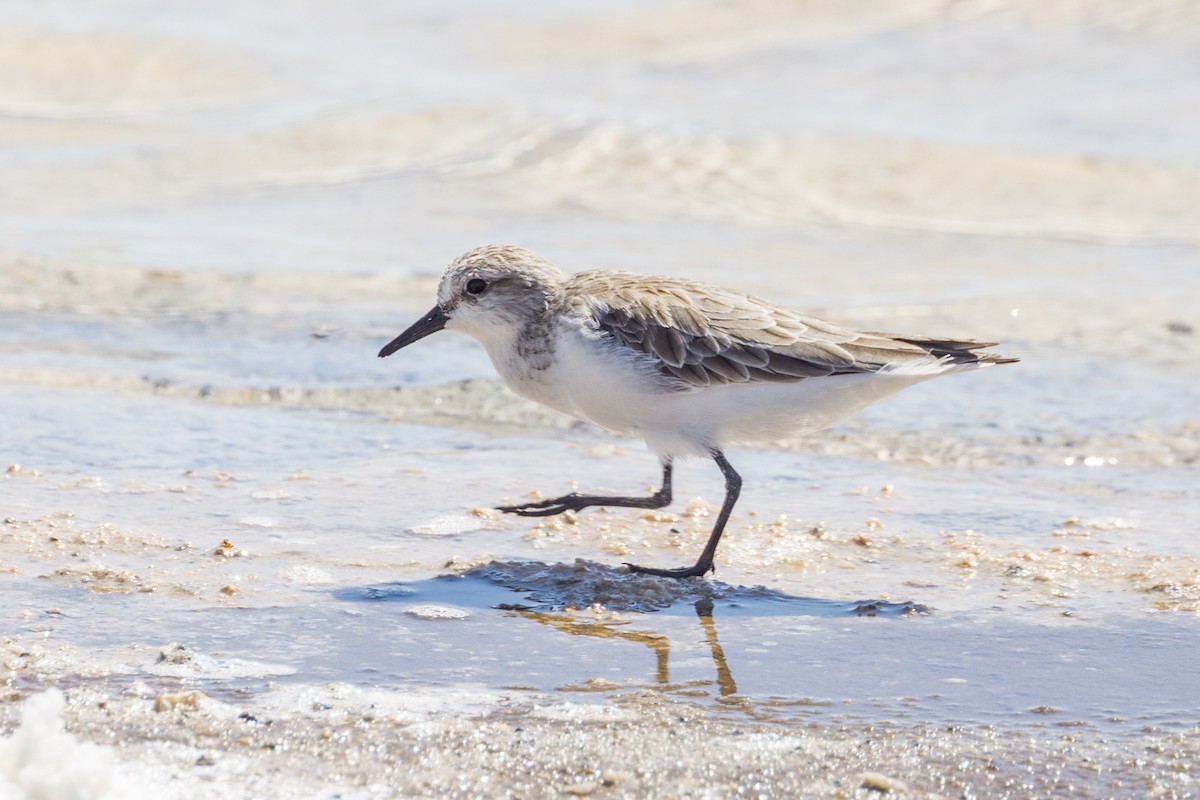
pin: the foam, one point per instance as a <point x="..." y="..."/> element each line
<point x="41" y="761"/>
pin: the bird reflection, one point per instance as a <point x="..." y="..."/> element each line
<point x="725" y="681"/>
<point x="659" y="644"/>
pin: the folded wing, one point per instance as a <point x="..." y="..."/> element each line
<point x="705" y="335"/>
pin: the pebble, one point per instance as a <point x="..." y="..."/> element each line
<point x="436" y="612"/>
<point x="582" y="788"/>
<point x="878" y="782"/>
<point x="184" y="701"/>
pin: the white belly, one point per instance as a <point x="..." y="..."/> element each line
<point x="622" y="394"/>
<point x="762" y="413"/>
<point x="622" y="391"/>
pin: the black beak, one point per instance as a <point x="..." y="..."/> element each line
<point x="432" y="322"/>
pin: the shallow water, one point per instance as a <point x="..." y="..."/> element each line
<point x="205" y="243"/>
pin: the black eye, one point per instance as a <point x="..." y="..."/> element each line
<point x="476" y="285"/>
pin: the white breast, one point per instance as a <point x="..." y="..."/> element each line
<point x="604" y="383"/>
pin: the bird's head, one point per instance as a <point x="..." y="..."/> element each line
<point x="490" y="292"/>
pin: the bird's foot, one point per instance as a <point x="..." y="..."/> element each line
<point x="578" y="502"/>
<point x="548" y="508"/>
<point x="695" y="571"/>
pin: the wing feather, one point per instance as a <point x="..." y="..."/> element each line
<point x="748" y="355"/>
<point x="727" y="368"/>
<point x="703" y="335"/>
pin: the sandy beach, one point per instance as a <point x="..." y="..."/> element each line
<point x="243" y="557"/>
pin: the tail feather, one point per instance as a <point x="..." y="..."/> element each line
<point x="959" y="351"/>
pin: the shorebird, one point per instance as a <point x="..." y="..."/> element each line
<point x="689" y="367"/>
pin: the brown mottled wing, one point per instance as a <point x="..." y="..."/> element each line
<point x="705" y="335"/>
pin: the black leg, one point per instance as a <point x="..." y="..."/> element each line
<point x="733" y="487"/>
<point x="576" y="501"/>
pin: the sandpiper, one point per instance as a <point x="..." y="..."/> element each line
<point x="690" y="367"/>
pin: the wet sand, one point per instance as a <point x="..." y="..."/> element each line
<point x="257" y="561"/>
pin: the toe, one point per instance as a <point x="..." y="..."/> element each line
<point x="694" y="571"/>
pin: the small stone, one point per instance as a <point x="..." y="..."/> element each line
<point x="435" y="612"/>
<point x="484" y="513"/>
<point x="175" y="654"/>
<point x="582" y="788"/>
<point x="227" y="549"/>
<point x="611" y="778"/>
<point x="878" y="782"/>
<point x="183" y="701"/>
